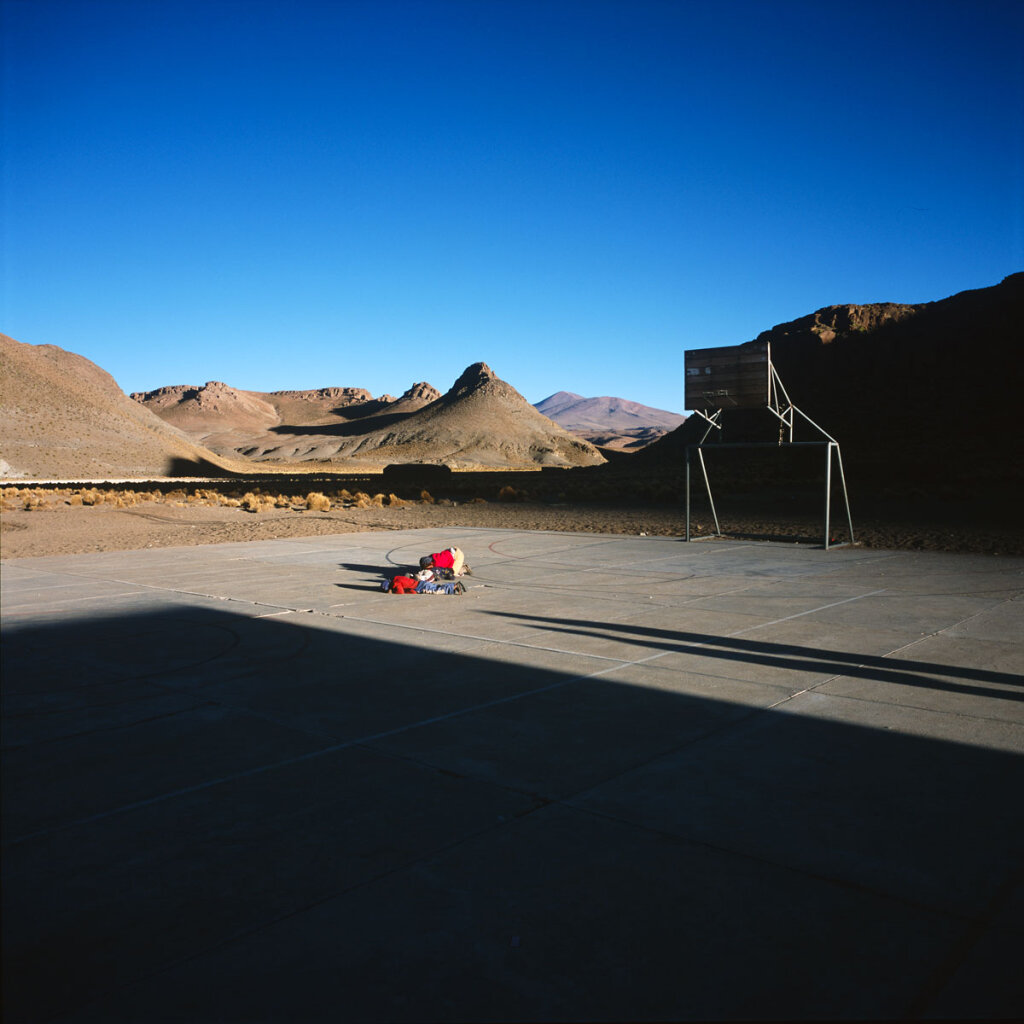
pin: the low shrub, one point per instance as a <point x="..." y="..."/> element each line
<point x="508" y="493"/>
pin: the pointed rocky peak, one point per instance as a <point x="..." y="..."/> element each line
<point x="421" y="392"/>
<point x="481" y="379"/>
<point x="473" y="376"/>
<point x="215" y="391"/>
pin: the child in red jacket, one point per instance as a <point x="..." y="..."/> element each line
<point x="424" y="583"/>
<point x="450" y="558"/>
<point x="400" y="585"/>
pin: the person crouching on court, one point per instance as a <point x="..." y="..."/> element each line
<point x="450" y="558"/>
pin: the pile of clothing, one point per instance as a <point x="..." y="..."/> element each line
<point x="426" y="581"/>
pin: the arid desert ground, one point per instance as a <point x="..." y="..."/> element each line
<point x="37" y="522"/>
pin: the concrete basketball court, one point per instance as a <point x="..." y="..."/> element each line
<point x="621" y="778"/>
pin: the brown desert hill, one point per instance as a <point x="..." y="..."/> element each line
<point x="609" y="423"/>
<point x="922" y="398"/>
<point x="201" y="411"/>
<point x="217" y="407"/>
<point x="62" y="417"/>
<point x="278" y="425"/>
<point x="481" y="421"/>
<point x="386" y="409"/>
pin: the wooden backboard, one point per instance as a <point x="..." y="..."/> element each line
<point x="735" y="377"/>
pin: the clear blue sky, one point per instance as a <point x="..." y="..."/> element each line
<point x="301" y="194"/>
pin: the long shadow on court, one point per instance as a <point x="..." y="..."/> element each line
<point x="907" y="671"/>
<point x="215" y="817"/>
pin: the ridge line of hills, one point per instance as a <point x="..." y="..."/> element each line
<point x="480" y="421"/>
<point x="914" y="392"/>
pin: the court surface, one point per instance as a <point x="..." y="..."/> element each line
<point x="620" y="778"/>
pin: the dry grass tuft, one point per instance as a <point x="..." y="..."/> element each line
<point x="34" y="501"/>
<point x="317" y="502"/>
<point x="508" y="493"/>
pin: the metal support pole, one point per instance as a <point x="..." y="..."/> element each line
<point x="712" y="422"/>
<point x="687" y="493"/>
<point x="828" y="492"/>
<point x="846" y="498"/>
<point x="820" y="430"/>
<point x="707" y="485"/>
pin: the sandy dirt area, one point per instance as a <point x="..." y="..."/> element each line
<point x="60" y="528"/>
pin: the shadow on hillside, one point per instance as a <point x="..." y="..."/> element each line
<point x="365" y="424"/>
<point x="213" y="816"/>
<point x="195" y="468"/>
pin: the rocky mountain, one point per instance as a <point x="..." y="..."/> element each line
<point x="574" y="412"/>
<point x="62" y="417"/>
<point x="481" y="421"/>
<point x="613" y="423"/>
<point x="205" y="410"/>
<point x="922" y="396"/>
<point x="283" y="425"/>
<point x="216" y="407"/>
<point x="554" y="404"/>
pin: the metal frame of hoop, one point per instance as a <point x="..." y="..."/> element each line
<point x="782" y="407"/>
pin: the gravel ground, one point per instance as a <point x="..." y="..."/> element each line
<point x="59" y="528"/>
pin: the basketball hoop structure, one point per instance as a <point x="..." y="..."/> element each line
<point x="744" y="377"/>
